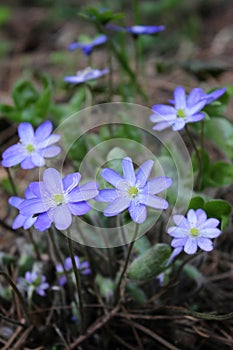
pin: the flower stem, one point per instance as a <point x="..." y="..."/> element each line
<point x="77" y="279"/>
<point x="199" y="174"/>
<point x="30" y="234"/>
<point x="17" y="292"/>
<point x="13" y="187"/>
<point x="120" y="285"/>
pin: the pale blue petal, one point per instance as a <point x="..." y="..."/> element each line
<point x="43" y="131"/>
<point x="205" y="244"/>
<point x="111" y="176"/>
<point x="48" y="141"/>
<point x="180" y="98"/>
<point x="29" y="222"/>
<point x="52" y="181"/>
<point x="192" y="217"/>
<point x="157" y="185"/>
<point x="32" y="207"/>
<point x="190" y="246"/>
<point x="50" y="152"/>
<point x="14" y="155"/>
<point x="177" y="232"/>
<point x="83" y="193"/>
<point x="181" y="221"/>
<point x="195" y="118"/>
<point x="153" y="201"/>
<point x="179" y="124"/>
<point x="210" y="223"/>
<point x="26" y="133"/>
<point x="33" y="190"/>
<point x="71" y="181"/>
<point x="43" y="222"/>
<point x="15" y="201"/>
<point x="197" y="107"/>
<point x="163" y="125"/>
<point x="178" y="242"/>
<point x="117" y="206"/>
<point x="195" y="96"/>
<point x="128" y="170"/>
<point x="62" y="217"/>
<point x="164" y="110"/>
<point x="13" y="150"/>
<point x="107" y="195"/>
<point x="210" y="232"/>
<point x="144" y="172"/>
<point x="201" y="217"/>
<point x="137" y="212"/>
<point x="80" y="208"/>
<point x="37" y="159"/>
<point x="18" y="221"/>
<point x="27" y="163"/>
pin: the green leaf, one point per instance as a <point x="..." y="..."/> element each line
<point x="220" y="132"/>
<point x="221" y="174"/>
<point x="219" y="209"/>
<point x="151" y="263"/>
<point x="106" y="286"/>
<point x="136" y="293"/>
<point x="24" y="93"/>
<point x="196" y="203"/>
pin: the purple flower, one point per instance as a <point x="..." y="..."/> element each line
<point x="193" y="232"/>
<point x="137" y="29"/>
<point x="88" y="47"/>
<point x="22" y="221"/>
<point x="57" y="199"/>
<point x="84" y="268"/>
<point x="33" y="147"/>
<point x="86" y="75"/>
<point x="133" y="192"/>
<point x="37" y="282"/>
<point x="185" y="110"/>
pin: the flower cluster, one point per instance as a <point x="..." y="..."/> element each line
<point x="33" y="147"/>
<point x="83" y="267"/>
<point x="133" y="191"/>
<point x="137" y="29"/>
<point x="34" y="281"/>
<point x="185" y="109"/>
<point x="193" y="232"/>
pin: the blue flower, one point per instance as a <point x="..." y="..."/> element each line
<point x="193" y="231"/>
<point x="57" y="199"/>
<point x="84" y="268"/>
<point x="187" y="109"/>
<point x="35" y="281"/>
<point x="133" y="192"/>
<point x="137" y="29"/>
<point x="88" y="47"/>
<point x="86" y="75"/>
<point x="33" y="147"/>
<point x="22" y="221"/>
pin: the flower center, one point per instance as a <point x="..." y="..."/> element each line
<point x="133" y="191"/>
<point x="181" y="113"/>
<point x="194" y="231"/>
<point x="30" y="148"/>
<point x="58" y="198"/>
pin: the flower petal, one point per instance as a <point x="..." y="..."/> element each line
<point x="117" y="206"/>
<point x="15" y="201"/>
<point x="62" y="217"/>
<point x="177" y="232"/>
<point x="190" y="246"/>
<point x="32" y="207"/>
<point x="79" y="208"/>
<point x="107" y="195"/>
<point x="83" y="193"/>
<point x="50" y="152"/>
<point x="158" y="184"/>
<point x="13" y="155"/>
<point x="137" y="212"/>
<point x="37" y="159"/>
<point x="27" y="163"/>
<point x="181" y="221"/>
<point x="52" y="181"/>
<point x="192" y="217"/>
<point x="111" y="176"/>
<point x="195" y="96"/>
<point x="205" y="244"/>
<point x="179" y="124"/>
<point x="26" y="133"/>
<point x="71" y="181"/>
<point x="210" y="232"/>
<point x="144" y="172"/>
<point x="201" y="216"/>
<point x="43" y="222"/>
<point x="162" y="126"/>
<point x="178" y="242"/>
<point x="43" y="130"/>
<point x="48" y="141"/>
<point x="18" y="221"/>
<point x="180" y="98"/>
<point x="210" y="223"/>
<point x="128" y="171"/>
<point x="153" y="201"/>
<point x="195" y="118"/>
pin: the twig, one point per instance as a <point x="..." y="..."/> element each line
<point x="100" y="322"/>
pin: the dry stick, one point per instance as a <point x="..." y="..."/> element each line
<point x="133" y="329"/>
<point x="153" y="335"/>
<point x="100" y="322"/>
<point x="77" y="279"/>
<point x="17" y="292"/>
<point x="22" y="339"/>
<point x="10" y="320"/>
